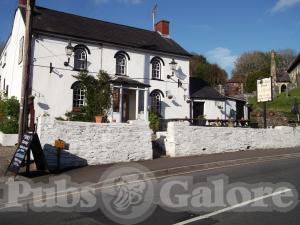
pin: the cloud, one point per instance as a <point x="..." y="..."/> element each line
<point x="282" y="5"/>
<point x="223" y="57"/>
<point x="133" y="2"/>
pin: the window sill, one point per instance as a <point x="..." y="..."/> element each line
<point x="157" y="79"/>
<point x="121" y="75"/>
<point x="79" y="70"/>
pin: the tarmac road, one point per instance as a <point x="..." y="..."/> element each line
<point x="277" y="171"/>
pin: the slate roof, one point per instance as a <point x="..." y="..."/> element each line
<point x="200" y="89"/>
<point x="61" y="23"/>
<point x="126" y="81"/>
<point x="282" y="75"/>
<point x="294" y="64"/>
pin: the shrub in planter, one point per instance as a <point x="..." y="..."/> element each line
<point x="98" y="96"/>
<point x="154" y="122"/>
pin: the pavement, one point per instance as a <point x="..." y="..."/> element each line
<point x="251" y="167"/>
<point x="6" y="154"/>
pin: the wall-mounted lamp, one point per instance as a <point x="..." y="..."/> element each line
<point x="69" y="52"/>
<point x="173" y="65"/>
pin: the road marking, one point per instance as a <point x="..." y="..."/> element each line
<point x="232" y="207"/>
<point x="63" y="193"/>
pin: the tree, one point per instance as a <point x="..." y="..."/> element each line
<point x="257" y="64"/>
<point x="211" y="73"/>
<point x="252" y="78"/>
<point x="251" y="62"/>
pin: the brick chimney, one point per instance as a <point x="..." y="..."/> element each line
<point x="162" y="27"/>
<point x="23" y="3"/>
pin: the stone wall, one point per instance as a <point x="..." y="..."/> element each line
<point x="8" y="139"/>
<point x="185" y="140"/>
<point x="95" y="144"/>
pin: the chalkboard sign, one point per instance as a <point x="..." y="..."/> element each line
<point x="30" y="141"/>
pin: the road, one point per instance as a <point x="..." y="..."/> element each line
<point x="277" y="171"/>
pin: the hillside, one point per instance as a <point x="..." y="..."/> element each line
<point x="279" y="110"/>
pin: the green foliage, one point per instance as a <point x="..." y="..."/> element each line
<point x="98" y="96"/>
<point x="154" y="122"/>
<point x="210" y="73"/>
<point x="252" y="78"/>
<point x="283" y="102"/>
<point x="78" y="116"/>
<point x="252" y="65"/>
<point x="9" y="115"/>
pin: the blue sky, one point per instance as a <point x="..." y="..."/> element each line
<point x="219" y="29"/>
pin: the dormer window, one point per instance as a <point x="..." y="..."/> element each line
<point x="80" y="59"/>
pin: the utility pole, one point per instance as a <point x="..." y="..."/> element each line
<point x="23" y="117"/>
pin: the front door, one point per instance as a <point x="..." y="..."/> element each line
<point x="198" y="109"/>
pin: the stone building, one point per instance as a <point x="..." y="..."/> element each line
<point x="280" y="78"/>
<point x="294" y="72"/>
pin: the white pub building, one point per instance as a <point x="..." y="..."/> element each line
<point x="149" y="70"/>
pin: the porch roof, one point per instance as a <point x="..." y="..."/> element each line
<point x="126" y="81"/>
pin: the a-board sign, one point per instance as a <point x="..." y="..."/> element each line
<point x="30" y="141"/>
<point x="264" y="90"/>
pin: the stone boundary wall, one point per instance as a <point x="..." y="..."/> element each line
<point x="95" y="144"/>
<point x="185" y="140"/>
<point x="8" y="139"/>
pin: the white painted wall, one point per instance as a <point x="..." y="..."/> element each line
<point x="208" y="140"/>
<point x="12" y="71"/>
<point x="8" y="139"/>
<point x="214" y="109"/>
<point x="95" y="144"/>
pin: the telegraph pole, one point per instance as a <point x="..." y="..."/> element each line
<point x="23" y="117"/>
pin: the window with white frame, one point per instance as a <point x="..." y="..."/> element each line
<point x="156" y="69"/>
<point x="78" y="96"/>
<point x="80" y="59"/>
<point x="121" y="64"/>
<point x="155" y="102"/>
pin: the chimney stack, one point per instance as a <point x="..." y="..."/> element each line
<point x="162" y="27"/>
<point x="23" y="3"/>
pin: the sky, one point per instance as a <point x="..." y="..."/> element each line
<point x="221" y="30"/>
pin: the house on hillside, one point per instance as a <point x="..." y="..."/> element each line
<point x="294" y="71"/>
<point x="208" y="102"/>
<point x="149" y="71"/>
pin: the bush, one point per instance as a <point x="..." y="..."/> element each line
<point x="154" y="122"/>
<point x="9" y="115"/>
